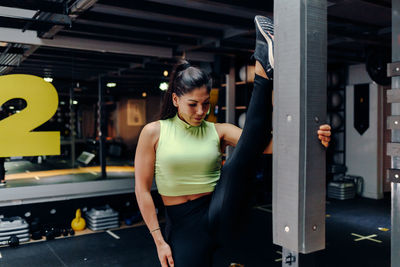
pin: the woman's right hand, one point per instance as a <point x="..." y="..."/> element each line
<point x="165" y="255"/>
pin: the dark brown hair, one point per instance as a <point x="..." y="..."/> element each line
<point x="184" y="79"/>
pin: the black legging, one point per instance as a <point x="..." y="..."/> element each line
<point x="195" y="228"/>
<point x="230" y="197"/>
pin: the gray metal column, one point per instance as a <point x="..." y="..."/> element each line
<point x="230" y="99"/>
<point x="299" y="108"/>
<point x="102" y="128"/>
<point x="395" y="162"/>
<point x="72" y="125"/>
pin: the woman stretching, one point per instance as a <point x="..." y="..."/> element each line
<point x="183" y="152"/>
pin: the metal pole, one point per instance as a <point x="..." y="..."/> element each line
<point x="300" y="107"/>
<point x="102" y="129"/>
<point x="72" y="125"/>
<point x="230" y="100"/>
<point x="395" y="161"/>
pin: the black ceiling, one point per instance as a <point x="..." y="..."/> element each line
<point x="208" y="32"/>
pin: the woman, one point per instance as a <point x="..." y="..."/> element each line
<point x="183" y="152"/>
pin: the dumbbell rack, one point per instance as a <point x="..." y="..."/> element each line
<point x="336" y="152"/>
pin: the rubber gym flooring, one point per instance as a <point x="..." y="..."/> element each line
<point x="357" y="234"/>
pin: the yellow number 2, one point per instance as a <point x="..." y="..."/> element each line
<point x="16" y="136"/>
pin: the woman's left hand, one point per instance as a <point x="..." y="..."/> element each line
<point x="324" y="134"/>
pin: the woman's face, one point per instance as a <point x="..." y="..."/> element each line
<point x="193" y="106"/>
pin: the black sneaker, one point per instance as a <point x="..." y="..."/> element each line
<point x="264" y="51"/>
<point x="3" y="183"/>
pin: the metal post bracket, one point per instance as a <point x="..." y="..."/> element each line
<point x="393" y="69"/>
<point x="393" y="175"/>
<point x="393" y="122"/>
<point x="393" y="95"/>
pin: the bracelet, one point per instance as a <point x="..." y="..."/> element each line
<point x="154" y="230"/>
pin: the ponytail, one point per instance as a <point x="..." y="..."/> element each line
<point x="184" y="79"/>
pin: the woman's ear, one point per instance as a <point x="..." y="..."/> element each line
<point x="175" y="99"/>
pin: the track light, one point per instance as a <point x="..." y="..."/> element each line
<point x="163" y="86"/>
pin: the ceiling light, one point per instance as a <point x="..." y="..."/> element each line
<point x="144" y="94"/>
<point x="165" y="73"/>
<point x="75" y="102"/>
<point x="111" y="85"/>
<point x="163" y="86"/>
<point x="11" y="107"/>
<point x="48" y="79"/>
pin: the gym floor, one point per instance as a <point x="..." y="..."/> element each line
<point x="26" y="173"/>
<point x="357" y="234"/>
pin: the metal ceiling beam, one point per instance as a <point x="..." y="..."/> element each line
<point x="39" y="24"/>
<point x="89" y="55"/>
<point x="12" y="50"/>
<point x="73" y="63"/>
<point x="255" y="5"/>
<point x="42" y="5"/>
<point x="77" y="60"/>
<point x="132" y="35"/>
<point x="16" y="12"/>
<point x="77" y="7"/>
<point x="149" y="25"/>
<point x="378" y="3"/>
<point x="140" y="14"/>
<point x="29" y="37"/>
<point x="184" y="12"/>
<point x="220" y="8"/>
<point x="229" y="33"/>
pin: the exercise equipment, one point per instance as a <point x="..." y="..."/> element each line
<point x="78" y="223"/>
<point x="85" y="157"/>
<point x="242" y="120"/>
<point x="213" y="111"/>
<point x="376" y="66"/>
<point x="342" y="189"/>
<point x="250" y="73"/>
<point x="335" y="120"/>
<point x="335" y="79"/>
<point x="101" y="218"/>
<point x="37" y="235"/>
<point x="133" y="218"/>
<point x="335" y="100"/>
<point x="71" y="231"/>
<point x="13" y="241"/>
<point x="13" y="228"/>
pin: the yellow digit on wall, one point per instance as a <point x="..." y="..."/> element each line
<point x="16" y="136"/>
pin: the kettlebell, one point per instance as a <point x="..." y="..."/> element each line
<point x="13" y="241"/>
<point x="78" y="223"/>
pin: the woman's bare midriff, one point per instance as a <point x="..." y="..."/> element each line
<point x="169" y="201"/>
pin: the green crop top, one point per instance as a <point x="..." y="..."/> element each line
<point x="188" y="158"/>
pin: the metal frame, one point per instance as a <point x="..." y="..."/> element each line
<point x="299" y="109"/>
<point x="57" y="192"/>
<point x="395" y="161"/>
<point x="30" y="37"/>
